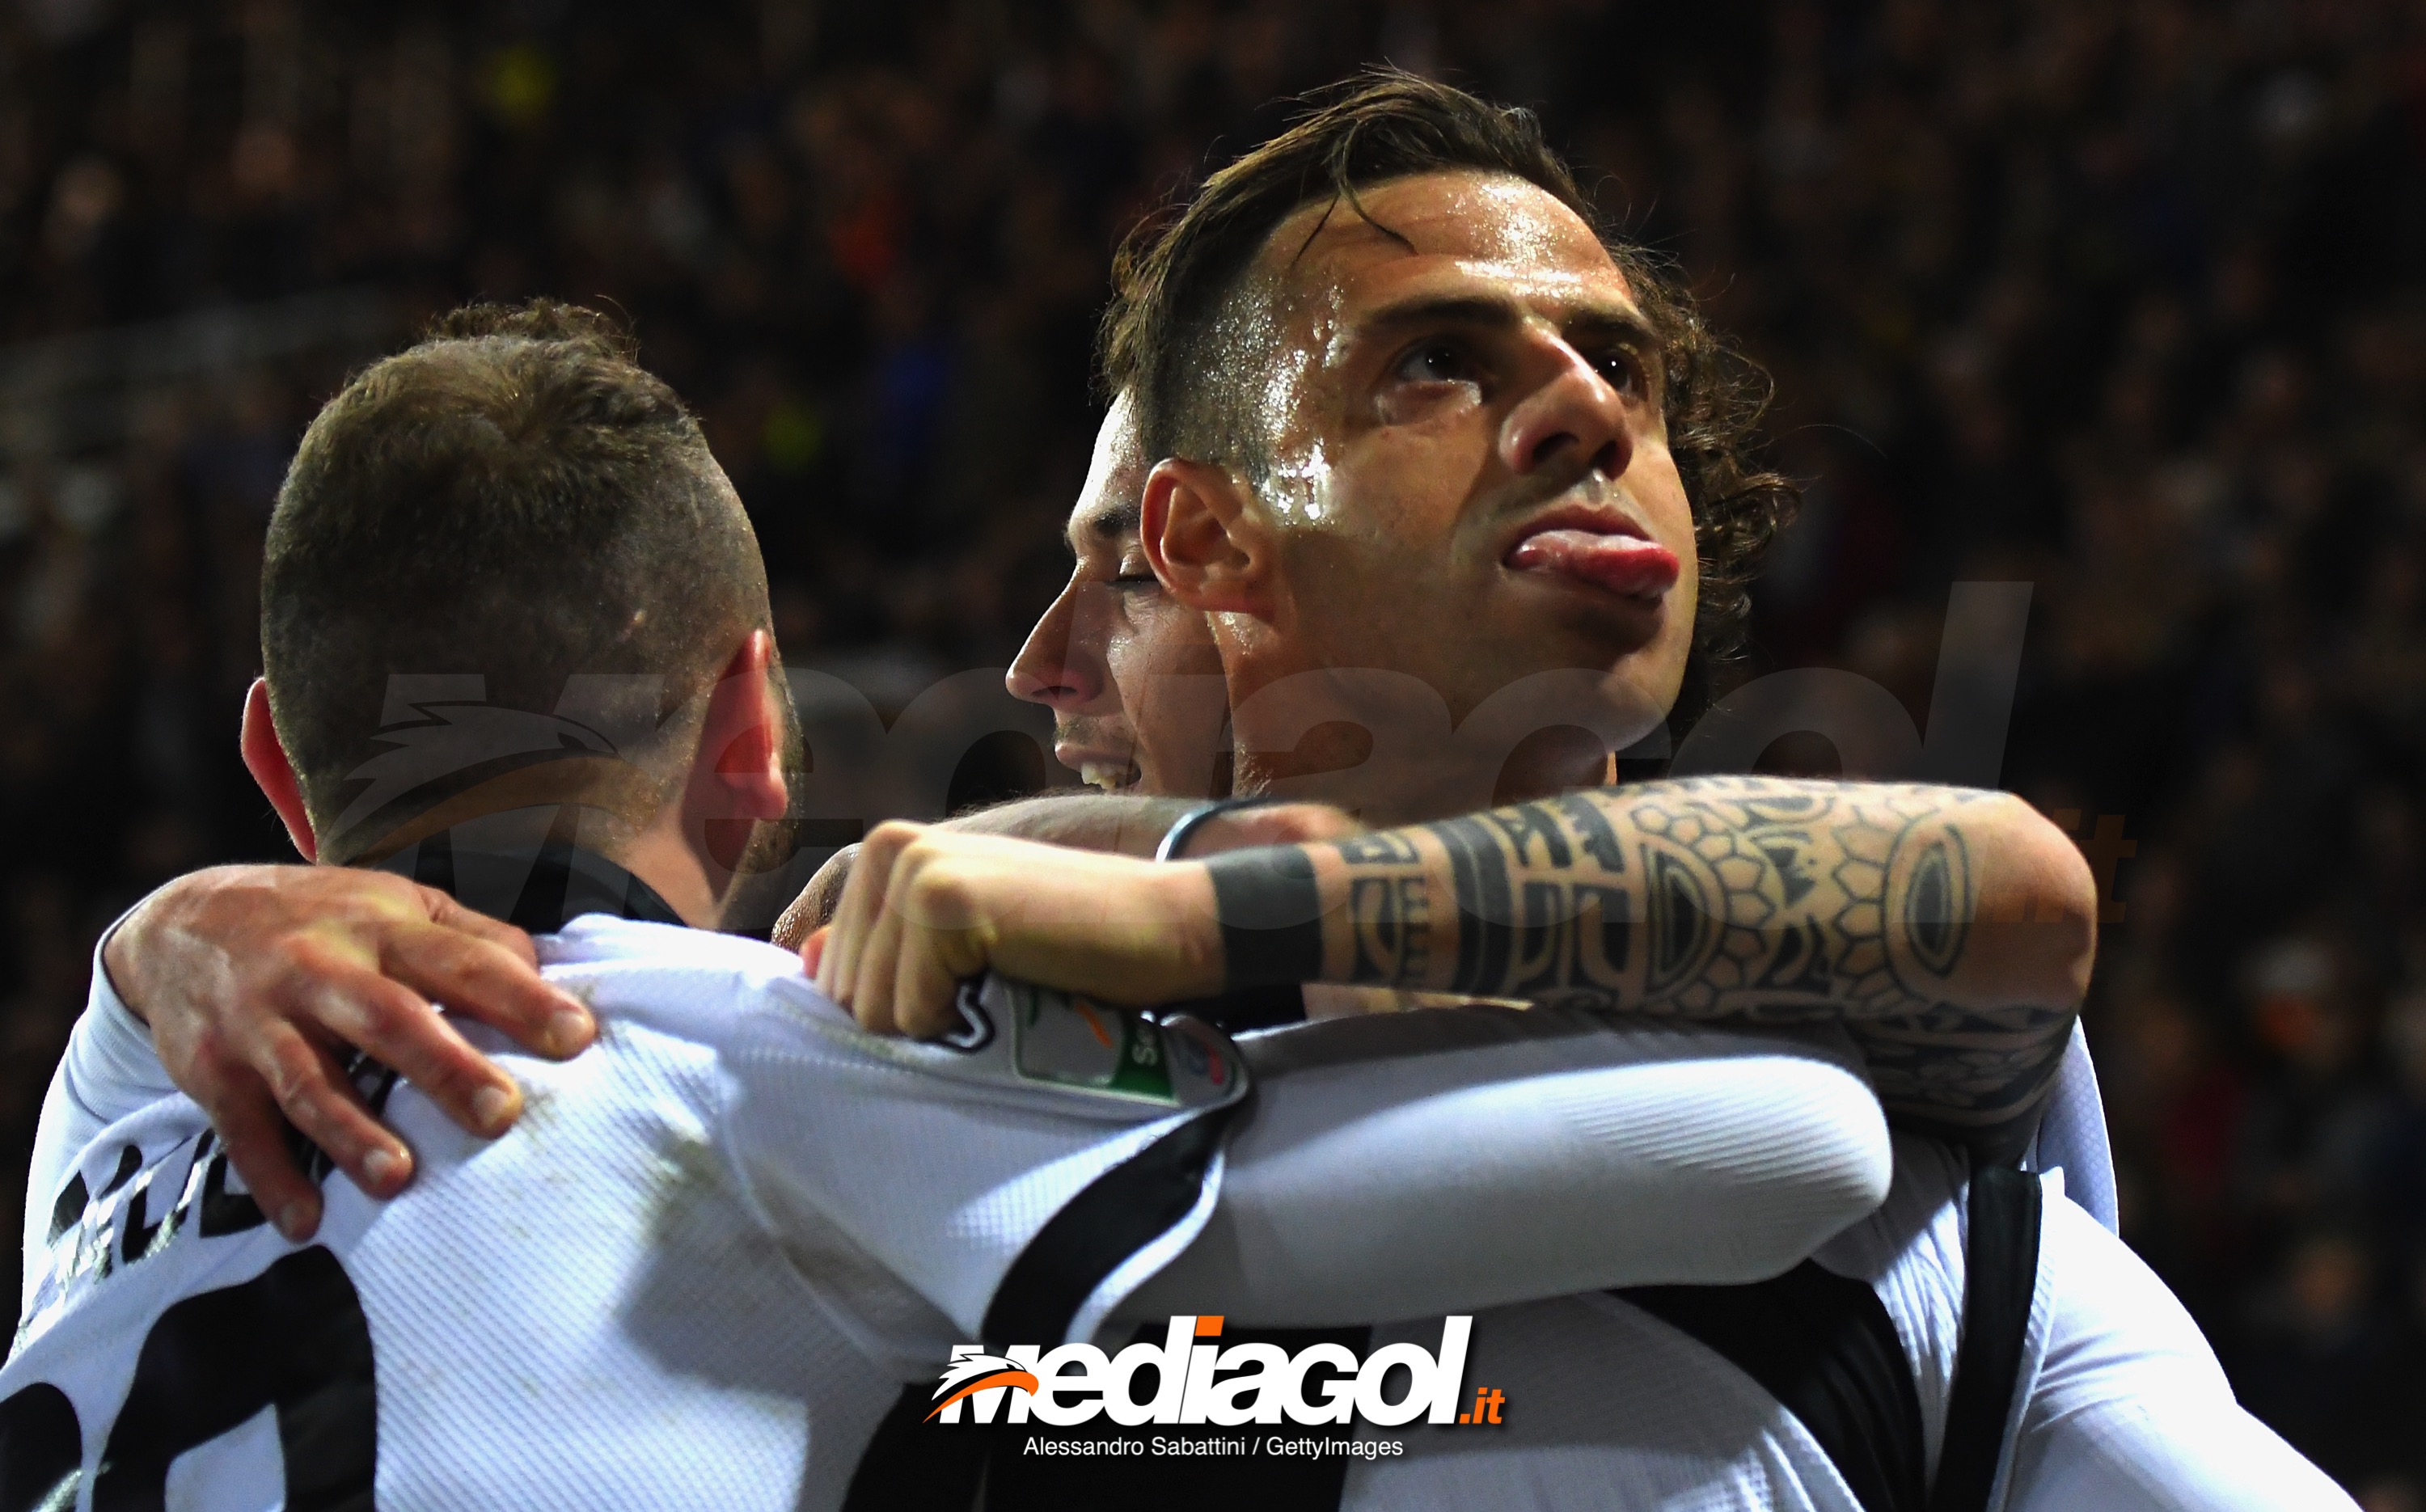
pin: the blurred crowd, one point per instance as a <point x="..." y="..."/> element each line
<point x="2123" y="298"/>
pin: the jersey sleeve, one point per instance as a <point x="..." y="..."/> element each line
<point x="1451" y="1160"/>
<point x="2131" y="1409"/>
<point x="2072" y="1135"/>
<point x="109" y="1070"/>
<point x="1015" y="1194"/>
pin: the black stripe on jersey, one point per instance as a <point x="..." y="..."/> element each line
<point x="1118" y="1214"/>
<point x="1824" y="1346"/>
<point x="1255" y="1008"/>
<point x="2000" y="1273"/>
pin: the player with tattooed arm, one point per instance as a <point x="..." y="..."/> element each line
<point x="724" y="1259"/>
<point x="1396" y="383"/>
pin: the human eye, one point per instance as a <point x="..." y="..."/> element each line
<point x="1135" y="575"/>
<point x="1437" y="360"/>
<point x="1626" y="371"/>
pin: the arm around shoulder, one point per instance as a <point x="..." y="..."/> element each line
<point x="1450" y="1161"/>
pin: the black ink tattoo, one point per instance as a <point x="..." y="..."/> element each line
<point x="1741" y="900"/>
<point x="1392" y="917"/>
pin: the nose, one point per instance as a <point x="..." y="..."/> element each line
<point x="1063" y="664"/>
<point x="1572" y="419"/>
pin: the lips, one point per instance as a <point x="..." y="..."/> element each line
<point x="1597" y="548"/>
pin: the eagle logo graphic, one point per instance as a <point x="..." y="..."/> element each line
<point x="461" y="741"/>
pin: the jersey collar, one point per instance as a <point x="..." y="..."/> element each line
<point x="540" y="889"/>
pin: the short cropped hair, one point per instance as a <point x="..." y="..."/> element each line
<point x="1179" y="278"/>
<point x="513" y="497"/>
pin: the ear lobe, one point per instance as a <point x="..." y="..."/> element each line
<point x="1212" y="552"/>
<point x="265" y="757"/>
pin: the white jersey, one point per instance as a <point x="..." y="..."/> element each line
<point x="718" y="1249"/>
<point x="2120" y="1405"/>
<point x="707" y="1250"/>
<point x="736" y="1233"/>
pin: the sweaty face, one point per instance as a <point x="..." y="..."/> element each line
<point x="1131" y="674"/>
<point x="1469" y="473"/>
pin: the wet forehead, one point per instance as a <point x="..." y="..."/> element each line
<point x="1468" y="231"/>
<point x="1106" y="509"/>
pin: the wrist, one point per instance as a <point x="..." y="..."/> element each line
<point x="124" y="951"/>
<point x="1268" y="915"/>
<point x="1186" y="899"/>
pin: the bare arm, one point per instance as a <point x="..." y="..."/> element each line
<point x="1124" y="824"/>
<point x="1952" y="930"/>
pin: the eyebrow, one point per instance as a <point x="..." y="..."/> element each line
<point x="1606" y="321"/>
<point x="1111" y="524"/>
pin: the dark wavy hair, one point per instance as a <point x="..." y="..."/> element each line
<point x="1177" y="276"/>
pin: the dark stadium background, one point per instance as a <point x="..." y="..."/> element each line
<point x="2126" y="297"/>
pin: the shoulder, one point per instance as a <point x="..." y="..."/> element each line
<point x="2116" y="1328"/>
<point x="694" y="983"/>
<point x="599" y="944"/>
<point x="761" y="1016"/>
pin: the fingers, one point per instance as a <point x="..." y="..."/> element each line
<point x="863" y="905"/>
<point x="879" y="953"/>
<point x="816" y="906"/>
<point x="485" y="979"/>
<point x="907" y="928"/>
<point x="812" y="950"/>
<point x="397" y="1028"/>
<point x="447" y="913"/>
<point x="314" y="1094"/>
<point x="255" y="1138"/>
<point x="924" y="987"/>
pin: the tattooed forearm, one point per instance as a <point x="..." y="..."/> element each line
<point x="1744" y="900"/>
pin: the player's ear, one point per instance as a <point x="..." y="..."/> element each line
<point x="1212" y="549"/>
<point x="265" y="757"/>
<point x="741" y="744"/>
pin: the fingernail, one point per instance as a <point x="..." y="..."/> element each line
<point x="489" y="1109"/>
<point x="568" y="1030"/>
<point x="294" y="1220"/>
<point x="385" y="1167"/>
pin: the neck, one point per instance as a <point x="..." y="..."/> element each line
<point x="1380" y="744"/>
<point x="1413" y="789"/>
<point x="590" y="805"/>
<point x="681" y="871"/>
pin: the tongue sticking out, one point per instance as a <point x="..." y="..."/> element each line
<point x="1622" y="564"/>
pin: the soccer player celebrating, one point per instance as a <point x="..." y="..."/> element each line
<point x="728" y="1249"/>
<point x="1413" y="415"/>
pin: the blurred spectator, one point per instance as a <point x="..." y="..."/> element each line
<point x="2129" y="301"/>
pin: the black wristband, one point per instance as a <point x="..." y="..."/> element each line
<point x="1270" y="914"/>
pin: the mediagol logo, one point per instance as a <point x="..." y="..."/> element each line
<point x="1204" y="1383"/>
